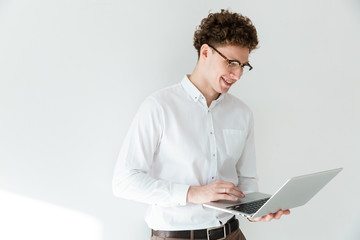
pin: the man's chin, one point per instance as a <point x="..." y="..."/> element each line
<point x="224" y="90"/>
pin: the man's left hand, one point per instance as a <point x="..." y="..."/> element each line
<point x="271" y="216"/>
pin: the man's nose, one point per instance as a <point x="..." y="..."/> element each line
<point x="235" y="74"/>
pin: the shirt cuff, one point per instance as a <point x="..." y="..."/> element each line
<point x="180" y="194"/>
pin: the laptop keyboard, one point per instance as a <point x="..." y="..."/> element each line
<point x="250" y="207"/>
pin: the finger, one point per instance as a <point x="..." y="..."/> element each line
<point x="222" y="190"/>
<point x="237" y="192"/>
<point x="226" y="197"/>
<point x="287" y="212"/>
<point x="219" y="182"/>
<point x="234" y="192"/>
<point x="230" y="188"/>
<point x="258" y="219"/>
<point x="269" y="217"/>
<point x="278" y="214"/>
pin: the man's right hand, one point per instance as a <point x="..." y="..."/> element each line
<point x="219" y="190"/>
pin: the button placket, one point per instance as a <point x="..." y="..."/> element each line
<point x="213" y="154"/>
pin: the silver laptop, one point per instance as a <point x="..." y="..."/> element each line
<point x="294" y="193"/>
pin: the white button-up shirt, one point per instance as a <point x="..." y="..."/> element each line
<point x="176" y="141"/>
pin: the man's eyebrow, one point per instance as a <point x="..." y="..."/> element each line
<point x="234" y="59"/>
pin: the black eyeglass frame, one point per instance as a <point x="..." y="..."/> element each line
<point x="231" y="61"/>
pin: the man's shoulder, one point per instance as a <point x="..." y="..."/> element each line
<point x="161" y="99"/>
<point x="166" y="94"/>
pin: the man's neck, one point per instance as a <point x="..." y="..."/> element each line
<point x="203" y="86"/>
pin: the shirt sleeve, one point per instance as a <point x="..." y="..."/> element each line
<point x="246" y="166"/>
<point x="131" y="178"/>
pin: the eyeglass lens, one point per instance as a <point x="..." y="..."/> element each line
<point x="235" y="68"/>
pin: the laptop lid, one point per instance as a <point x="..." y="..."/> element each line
<point x="296" y="192"/>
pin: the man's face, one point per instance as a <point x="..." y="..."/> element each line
<point x="218" y="76"/>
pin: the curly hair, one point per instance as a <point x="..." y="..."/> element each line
<point x="226" y="28"/>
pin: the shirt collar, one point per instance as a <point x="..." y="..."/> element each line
<point x="193" y="92"/>
<point x="190" y="88"/>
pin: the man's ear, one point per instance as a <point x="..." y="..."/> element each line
<point x="204" y="51"/>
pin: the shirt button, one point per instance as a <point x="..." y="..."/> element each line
<point x="210" y="132"/>
<point x="212" y="177"/>
<point x="214" y="155"/>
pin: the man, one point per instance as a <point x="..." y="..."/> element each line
<point x="193" y="142"/>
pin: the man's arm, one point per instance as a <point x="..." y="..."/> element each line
<point x="219" y="190"/>
<point x="131" y="176"/>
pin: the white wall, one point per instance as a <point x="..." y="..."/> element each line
<point x="73" y="73"/>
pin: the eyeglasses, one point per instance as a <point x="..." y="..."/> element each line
<point x="235" y="66"/>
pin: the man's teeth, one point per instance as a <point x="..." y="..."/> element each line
<point x="227" y="81"/>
